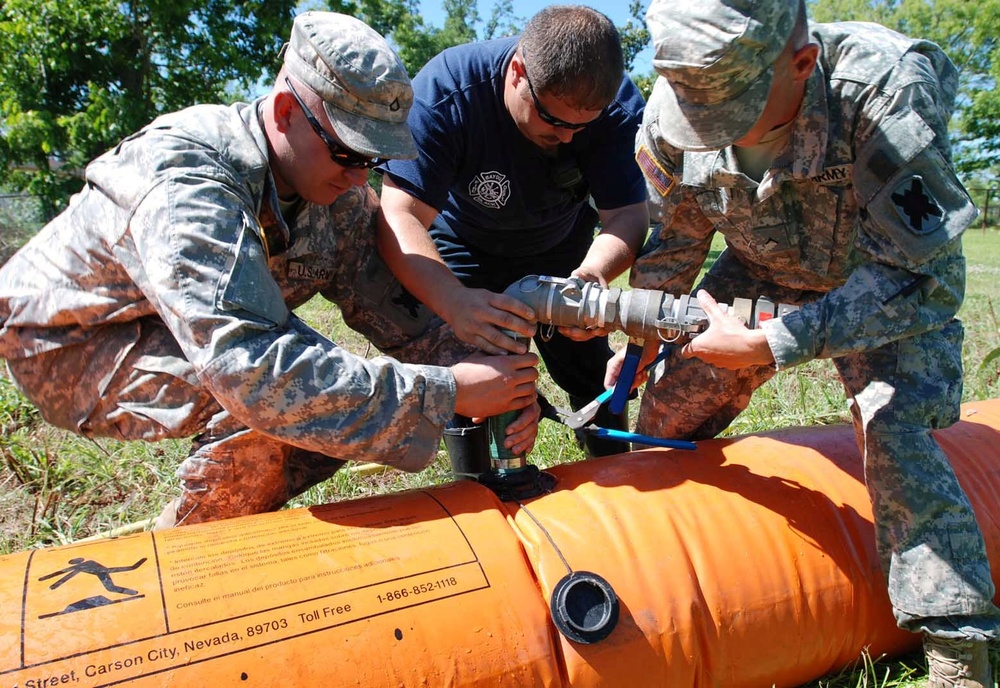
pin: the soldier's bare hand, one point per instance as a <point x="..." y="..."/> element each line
<point x="477" y="316"/>
<point x="727" y="343"/>
<point x="521" y="433"/>
<point x="491" y="385"/>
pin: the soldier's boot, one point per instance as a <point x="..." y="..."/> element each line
<point x="957" y="663"/>
<point x="601" y="446"/>
<point x="240" y="474"/>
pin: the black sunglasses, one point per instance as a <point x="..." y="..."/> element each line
<point x="544" y="114"/>
<point x="339" y="153"/>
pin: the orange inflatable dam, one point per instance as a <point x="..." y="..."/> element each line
<point x="748" y="562"/>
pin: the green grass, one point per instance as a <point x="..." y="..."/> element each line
<point x="866" y="672"/>
<point x="56" y="487"/>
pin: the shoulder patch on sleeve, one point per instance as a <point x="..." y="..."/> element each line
<point x="659" y="178"/>
<point x="900" y="139"/>
<point x="917" y="206"/>
<point x="919" y="211"/>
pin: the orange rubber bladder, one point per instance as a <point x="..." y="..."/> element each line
<point x="748" y="562"/>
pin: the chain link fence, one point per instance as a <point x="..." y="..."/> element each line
<point x="988" y="202"/>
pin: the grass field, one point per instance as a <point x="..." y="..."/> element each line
<point x="56" y="488"/>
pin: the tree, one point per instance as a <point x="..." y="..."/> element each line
<point x="635" y="35"/>
<point x="969" y="32"/>
<point x="416" y="41"/>
<point x="503" y="21"/>
<point x="81" y="74"/>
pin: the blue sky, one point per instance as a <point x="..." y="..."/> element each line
<point x="616" y="10"/>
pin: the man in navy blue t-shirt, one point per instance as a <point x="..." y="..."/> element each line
<point x="524" y="144"/>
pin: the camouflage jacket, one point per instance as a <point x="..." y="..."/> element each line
<point x="861" y="211"/>
<point x="179" y="222"/>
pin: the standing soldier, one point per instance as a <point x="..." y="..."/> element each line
<point x="821" y="153"/>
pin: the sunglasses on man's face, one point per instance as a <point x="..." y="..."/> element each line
<point x="339" y="153"/>
<point x="547" y="116"/>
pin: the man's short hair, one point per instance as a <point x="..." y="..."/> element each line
<point x="575" y="54"/>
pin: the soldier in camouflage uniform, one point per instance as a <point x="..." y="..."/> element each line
<point x="158" y="304"/>
<point x="821" y="153"/>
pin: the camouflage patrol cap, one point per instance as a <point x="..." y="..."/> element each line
<point x="365" y="89"/>
<point x="718" y="58"/>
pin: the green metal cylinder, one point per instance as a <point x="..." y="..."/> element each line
<point x="502" y="458"/>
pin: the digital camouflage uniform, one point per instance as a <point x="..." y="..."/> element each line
<point x="858" y="221"/>
<point x="158" y="305"/>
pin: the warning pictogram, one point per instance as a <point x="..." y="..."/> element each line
<point x="79" y="565"/>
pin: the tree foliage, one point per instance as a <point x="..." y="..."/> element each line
<point x="969" y="32"/>
<point x="635" y="35"/>
<point x="416" y="41"/>
<point x="81" y="74"/>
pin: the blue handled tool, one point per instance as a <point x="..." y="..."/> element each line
<point x="579" y="418"/>
<point x="623" y="387"/>
<point x="641" y="439"/>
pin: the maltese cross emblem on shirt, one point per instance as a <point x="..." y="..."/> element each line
<point x="918" y="208"/>
<point x="491" y="189"/>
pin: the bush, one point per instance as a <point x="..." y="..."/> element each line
<point x="20" y="219"/>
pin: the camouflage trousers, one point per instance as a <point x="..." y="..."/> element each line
<point x="929" y="542"/>
<point x="131" y="381"/>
